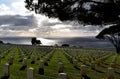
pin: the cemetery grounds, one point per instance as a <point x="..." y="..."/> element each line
<point x="77" y="63"/>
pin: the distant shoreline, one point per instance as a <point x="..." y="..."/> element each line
<point x="86" y="42"/>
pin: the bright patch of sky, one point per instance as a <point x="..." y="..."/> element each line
<point x="18" y="21"/>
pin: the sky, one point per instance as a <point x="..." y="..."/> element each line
<point x="17" y="21"/>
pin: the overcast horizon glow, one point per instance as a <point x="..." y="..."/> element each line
<point x="16" y="20"/>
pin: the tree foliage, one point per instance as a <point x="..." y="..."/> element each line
<point x="34" y="41"/>
<point x="65" y="45"/>
<point x="83" y="11"/>
<point x="1" y="42"/>
<point x="113" y="34"/>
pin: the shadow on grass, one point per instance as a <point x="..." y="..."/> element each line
<point x="32" y="62"/>
<point x="103" y="66"/>
<point x="117" y="72"/>
<point x="98" y="71"/>
<point x="105" y="63"/>
<point x="20" y="60"/>
<point x="23" y="67"/>
<point x="85" y="77"/>
<point x="77" y="68"/>
<point x="5" y="77"/>
<point x="41" y="71"/>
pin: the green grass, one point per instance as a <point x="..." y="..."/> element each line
<point x="51" y="71"/>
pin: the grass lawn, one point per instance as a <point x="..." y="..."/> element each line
<point x="101" y="58"/>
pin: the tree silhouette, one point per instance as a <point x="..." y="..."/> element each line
<point x="34" y="41"/>
<point x="38" y="42"/>
<point x="83" y="11"/>
<point x="1" y="42"/>
<point x="65" y="45"/>
<point x="113" y="34"/>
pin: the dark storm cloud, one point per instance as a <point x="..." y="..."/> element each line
<point x="17" y="20"/>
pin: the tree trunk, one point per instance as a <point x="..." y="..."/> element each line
<point x="118" y="50"/>
<point x="115" y="59"/>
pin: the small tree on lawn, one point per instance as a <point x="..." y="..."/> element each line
<point x="113" y="34"/>
<point x="33" y="40"/>
<point x="38" y="42"/>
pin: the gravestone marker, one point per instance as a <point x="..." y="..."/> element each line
<point x="30" y="73"/>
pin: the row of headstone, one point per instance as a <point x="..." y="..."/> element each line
<point x="45" y="62"/>
<point x="21" y="56"/>
<point x="51" y="54"/>
<point x="38" y="54"/>
<point x="45" y="51"/>
<point x="11" y="60"/>
<point x="41" y="68"/>
<point x="114" y="61"/>
<point x="46" y="59"/>
<point x="30" y="74"/>
<point x="74" y="62"/>
<point x="94" y="55"/>
<point x="62" y="75"/>
<point x="33" y="59"/>
<point x="110" y="72"/>
<point x="70" y="59"/>
<point x="106" y="57"/>
<point x="60" y="64"/>
<point x="103" y="59"/>
<point x="29" y="55"/>
<point x="100" y="53"/>
<point x="5" y="53"/>
<point x="24" y="64"/>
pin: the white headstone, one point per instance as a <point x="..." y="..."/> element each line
<point x="75" y="63"/>
<point x="59" y="59"/>
<point x="110" y="74"/>
<point x="41" y="64"/>
<point x="113" y="65"/>
<point x="6" y="70"/>
<point x="33" y="58"/>
<point x="41" y="68"/>
<point x="62" y="76"/>
<point x="60" y="67"/>
<point x="93" y="65"/>
<point x="11" y="60"/>
<point x="24" y="62"/>
<point x="30" y="73"/>
<point x="83" y="70"/>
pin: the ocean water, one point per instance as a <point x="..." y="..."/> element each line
<point x="87" y="42"/>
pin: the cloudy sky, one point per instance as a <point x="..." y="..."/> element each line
<point x="16" y="20"/>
